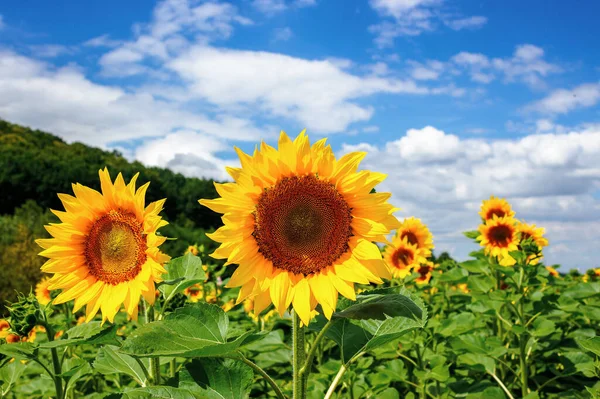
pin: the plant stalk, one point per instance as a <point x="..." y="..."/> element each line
<point x="154" y="361"/>
<point x="265" y="376"/>
<point x="299" y="355"/>
<point x="55" y="363"/>
<point x="335" y="381"/>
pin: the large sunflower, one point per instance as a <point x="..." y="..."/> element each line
<point x="498" y="207"/>
<point x="301" y="224"/>
<point x="105" y="252"/>
<point x="402" y="257"/>
<point x="415" y="232"/>
<point x="499" y="237"/>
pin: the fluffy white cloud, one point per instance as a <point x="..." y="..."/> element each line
<point x="412" y="18"/>
<point x="317" y="93"/>
<point x="282" y="34"/>
<point x="563" y="101"/>
<point x="442" y="178"/>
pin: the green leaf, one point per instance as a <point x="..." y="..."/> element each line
<point x="472" y="234"/>
<point x="454" y="275"/>
<point x="20" y="350"/>
<point x="187" y="270"/>
<point x="478" y="362"/>
<point x="110" y="361"/>
<point x="475" y="266"/>
<point x="480" y="283"/>
<point x="380" y="307"/>
<point x="162" y="393"/>
<point x="76" y="369"/>
<point x="350" y="337"/>
<point x="92" y="333"/>
<point x="543" y="327"/>
<point x="229" y="378"/>
<point x="195" y="330"/>
<point x="9" y="374"/>
<point x="591" y="345"/>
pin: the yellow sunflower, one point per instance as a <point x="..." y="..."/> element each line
<point x="402" y="257"/>
<point x="415" y="232"/>
<point x="194" y="292"/>
<point x="529" y="231"/>
<point x="42" y="293"/>
<point x="424" y="271"/>
<point x="552" y="271"/>
<point x="499" y="237"/>
<point x="495" y="206"/>
<point x="105" y="252"/>
<point x="301" y="224"/>
<point x="4" y="328"/>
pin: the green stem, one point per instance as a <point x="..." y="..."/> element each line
<point x="299" y="354"/>
<point x="494" y="376"/>
<point x="305" y="370"/>
<point x="266" y="377"/>
<point x="522" y="350"/>
<point x="154" y="361"/>
<point x="55" y="363"/>
<point x="173" y="367"/>
<point x="335" y="381"/>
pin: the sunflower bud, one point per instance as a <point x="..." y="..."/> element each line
<point x="25" y="314"/>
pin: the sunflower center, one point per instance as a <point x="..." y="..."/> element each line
<point x="410" y="237"/>
<point x="403" y="257"/>
<point x="115" y="248"/>
<point x="525" y="236"/>
<point x="302" y="224"/>
<point x="424" y="270"/>
<point x="498" y="212"/>
<point x="500" y="236"/>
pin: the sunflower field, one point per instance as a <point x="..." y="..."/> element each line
<point x="311" y="288"/>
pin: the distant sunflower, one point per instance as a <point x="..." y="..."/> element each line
<point x="552" y="271"/>
<point x="499" y="237"/>
<point x="194" y="292"/>
<point x="498" y="207"/>
<point x="402" y="257"/>
<point x="105" y="252"/>
<point x="301" y="224"/>
<point x="42" y="293"/>
<point x="4" y="328"/>
<point x="415" y="232"/>
<point x="536" y="234"/>
<point x="424" y="271"/>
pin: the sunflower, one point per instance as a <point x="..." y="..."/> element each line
<point x="105" y="252"/>
<point x="499" y="237"/>
<point x="402" y="257"/>
<point x="495" y="206"/>
<point x="42" y="293"/>
<point x="424" y="271"/>
<point x="4" y="328"/>
<point x="194" y="292"/>
<point x="301" y="224"/>
<point x="193" y="250"/>
<point x="552" y="271"/>
<point x="415" y="232"/>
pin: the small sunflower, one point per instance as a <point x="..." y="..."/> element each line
<point x="498" y="207"/>
<point x="552" y="271"/>
<point x="42" y="293"/>
<point x="194" y="292"/>
<point x="193" y="250"/>
<point x="402" y="257"/>
<point x="415" y="232"/>
<point x="301" y="225"/>
<point x="499" y="237"/>
<point x="4" y="328"/>
<point x="424" y="270"/>
<point x="105" y="252"/>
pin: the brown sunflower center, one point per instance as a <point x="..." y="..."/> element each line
<point x="403" y="257"/>
<point x="115" y="248"/>
<point x="410" y="237"/>
<point x="302" y="224"/>
<point x="424" y="270"/>
<point x="495" y="211"/>
<point x="500" y="236"/>
<point x="525" y="236"/>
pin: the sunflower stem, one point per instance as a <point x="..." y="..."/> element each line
<point x="299" y="354"/>
<point x="335" y="381"/>
<point x="265" y="376"/>
<point x="55" y="362"/>
<point x="154" y="361"/>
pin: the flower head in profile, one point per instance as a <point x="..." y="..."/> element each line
<point x="42" y="293"/>
<point x="498" y="207"/>
<point x="499" y="236"/>
<point x="553" y="272"/>
<point x="301" y="225"/>
<point x="105" y="252"/>
<point x="529" y="233"/>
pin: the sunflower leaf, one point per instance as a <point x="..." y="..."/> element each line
<point x="228" y="378"/>
<point x="591" y="344"/>
<point x="195" y="330"/>
<point x="92" y="333"/>
<point x="380" y="307"/>
<point x="163" y="393"/>
<point x="111" y="361"/>
<point x="182" y="272"/>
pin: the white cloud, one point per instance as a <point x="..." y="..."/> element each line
<point x="412" y="18"/>
<point x="269" y="7"/>
<point x="442" y="178"/>
<point x="282" y="34"/>
<point x="102" y="41"/>
<point x="51" y="50"/>
<point x="563" y="101"/>
<point x="474" y="22"/>
<point x="317" y="93"/>
<point x="305" y="3"/>
<point x="431" y="70"/>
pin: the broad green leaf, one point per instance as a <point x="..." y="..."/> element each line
<point x="92" y="333"/>
<point x="488" y="393"/>
<point x="187" y="269"/>
<point x="163" y="393"/>
<point x="591" y="345"/>
<point x="110" y="361"/>
<point x="478" y="361"/>
<point x="229" y="378"/>
<point x="472" y="234"/>
<point x="350" y="337"/>
<point x="76" y="368"/>
<point x="475" y="266"/>
<point x="195" y="330"/>
<point x="20" y="350"/>
<point x="578" y="361"/>
<point x="480" y="283"/>
<point x="389" y="393"/>
<point x="381" y="307"/>
<point x="583" y="290"/>
<point x="9" y="374"/>
<point x="543" y="327"/>
<point x="454" y="275"/>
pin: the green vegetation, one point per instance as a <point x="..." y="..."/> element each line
<point x="35" y="166"/>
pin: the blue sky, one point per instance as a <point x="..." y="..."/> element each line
<point x="455" y="100"/>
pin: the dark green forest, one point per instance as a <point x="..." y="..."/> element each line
<point x="35" y="166"/>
